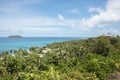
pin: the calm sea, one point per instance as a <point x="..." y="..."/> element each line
<point x="7" y="44"/>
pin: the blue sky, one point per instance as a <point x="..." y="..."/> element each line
<point x="59" y="18"/>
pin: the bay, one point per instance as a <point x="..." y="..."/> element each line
<point x="7" y="44"/>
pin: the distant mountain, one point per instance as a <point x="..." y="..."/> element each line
<point x="14" y="36"/>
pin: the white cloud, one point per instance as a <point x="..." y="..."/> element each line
<point x="29" y="26"/>
<point x="42" y="21"/>
<point x="37" y="22"/>
<point x="29" y="31"/>
<point x="35" y="26"/>
<point x="110" y="14"/>
<point x="91" y="9"/>
<point x="60" y="17"/>
<point x="74" y="11"/>
<point x="111" y="31"/>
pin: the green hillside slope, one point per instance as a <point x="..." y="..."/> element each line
<point x="91" y="59"/>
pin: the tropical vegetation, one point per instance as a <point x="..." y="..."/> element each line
<point x="96" y="58"/>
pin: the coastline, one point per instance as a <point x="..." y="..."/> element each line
<point x="26" y="42"/>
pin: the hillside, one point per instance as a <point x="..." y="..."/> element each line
<point x="91" y="59"/>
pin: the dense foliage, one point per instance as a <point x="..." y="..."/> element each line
<point x="91" y="59"/>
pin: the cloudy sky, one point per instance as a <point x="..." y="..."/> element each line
<point x="59" y="18"/>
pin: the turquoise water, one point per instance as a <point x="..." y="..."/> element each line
<point x="26" y="42"/>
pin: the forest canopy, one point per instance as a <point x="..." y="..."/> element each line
<point x="95" y="58"/>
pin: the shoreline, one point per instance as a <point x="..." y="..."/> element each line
<point x="27" y="42"/>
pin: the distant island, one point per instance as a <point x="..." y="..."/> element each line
<point x="14" y="36"/>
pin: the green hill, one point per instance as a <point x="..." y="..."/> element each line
<point x="91" y="59"/>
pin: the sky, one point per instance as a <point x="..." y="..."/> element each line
<point x="59" y="18"/>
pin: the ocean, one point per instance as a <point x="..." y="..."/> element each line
<point x="7" y="44"/>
